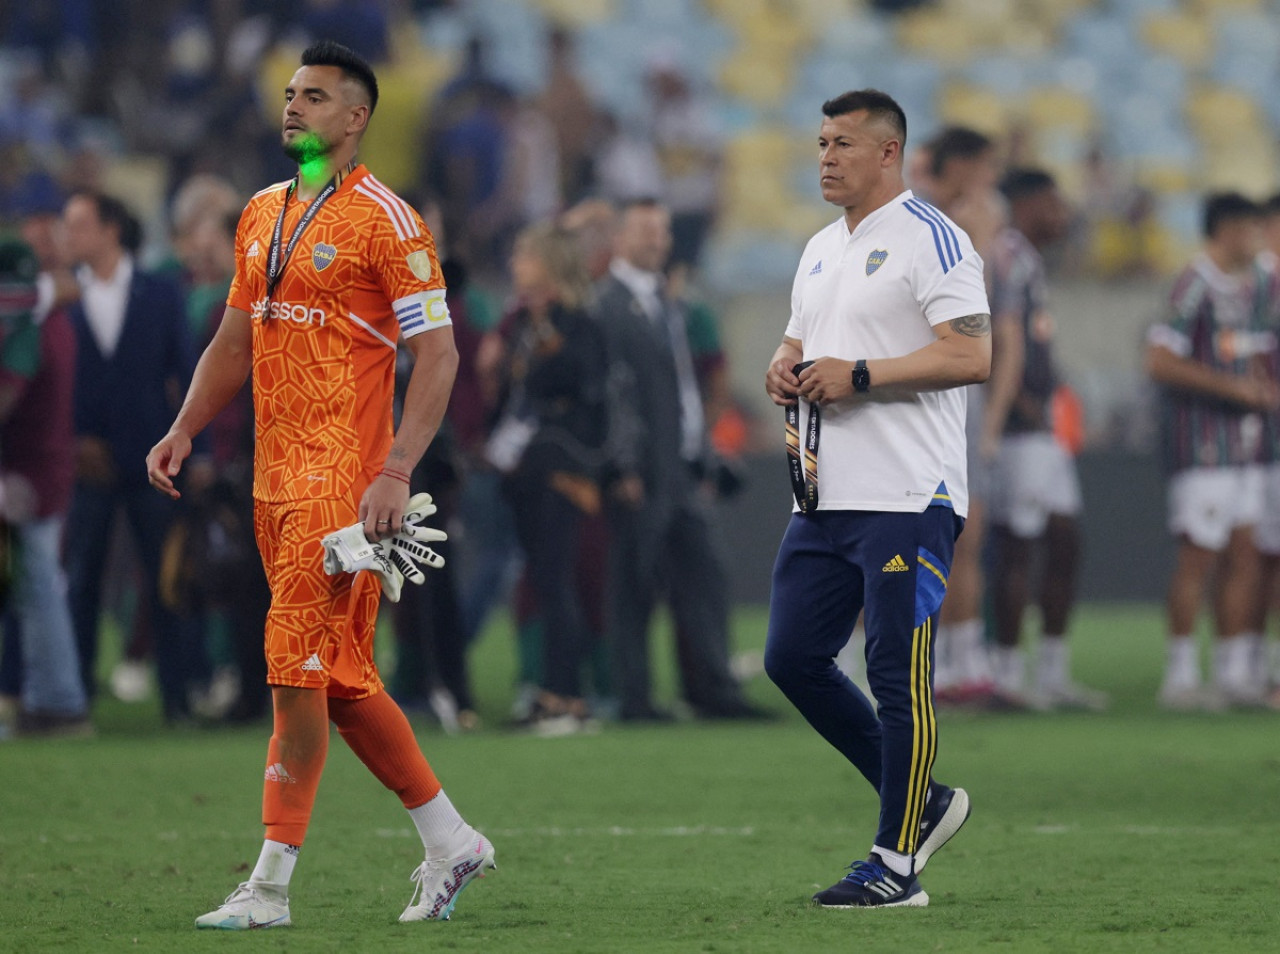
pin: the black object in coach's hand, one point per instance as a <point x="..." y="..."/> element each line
<point x="861" y="376"/>
<point x="804" y="472"/>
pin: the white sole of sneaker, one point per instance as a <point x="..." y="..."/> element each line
<point x="952" y="821"/>
<point x="234" y="924"/>
<point x="918" y="900"/>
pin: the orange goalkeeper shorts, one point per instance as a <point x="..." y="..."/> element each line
<point x="319" y="632"/>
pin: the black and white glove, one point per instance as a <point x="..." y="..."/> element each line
<point x="408" y="548"/>
<point x="349" y="551"/>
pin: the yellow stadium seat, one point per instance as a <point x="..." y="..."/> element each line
<point x="1218" y="111"/>
<point x="733" y="12"/>
<point x="1219" y="7"/>
<point x="983" y="11"/>
<point x="950" y="40"/>
<point x="761" y="76"/>
<point x="138" y="181"/>
<point x="393" y="144"/>
<point x="1188" y="39"/>
<point x="1051" y="107"/>
<point x="277" y="68"/>
<point x="775" y="26"/>
<point x="759" y="165"/>
<point x="1162" y="176"/>
<point x="578" y="13"/>
<point x="1248" y="166"/>
<point x="976" y="107"/>
<point x="1051" y="14"/>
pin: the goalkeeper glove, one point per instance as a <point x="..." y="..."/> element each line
<point x="349" y="551"/>
<point x="408" y="547"/>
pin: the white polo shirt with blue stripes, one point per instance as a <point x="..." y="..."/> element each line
<point x="877" y="293"/>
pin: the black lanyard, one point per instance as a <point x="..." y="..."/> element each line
<point x="275" y="260"/>
<point x="804" y="474"/>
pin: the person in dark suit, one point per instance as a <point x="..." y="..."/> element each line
<point x="661" y="534"/>
<point x="132" y="365"/>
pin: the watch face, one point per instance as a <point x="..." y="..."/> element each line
<point x="861" y="377"/>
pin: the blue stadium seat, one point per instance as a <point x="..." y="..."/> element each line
<point x="753" y="262"/>
<point x="1180" y="213"/>
<point x="1007" y="75"/>
<point x="1136" y="9"/>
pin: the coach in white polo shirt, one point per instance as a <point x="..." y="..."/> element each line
<point x="890" y="308"/>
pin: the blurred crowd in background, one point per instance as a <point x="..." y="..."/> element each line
<point x="674" y="135"/>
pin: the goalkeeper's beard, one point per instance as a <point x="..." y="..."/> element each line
<point x="306" y="148"/>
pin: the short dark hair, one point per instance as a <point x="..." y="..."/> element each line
<point x="1271" y="205"/>
<point x="956" y="142"/>
<point x="352" y="64"/>
<point x="1220" y="208"/>
<point x="111" y="211"/>
<point x="878" y="104"/>
<point x="1020" y="183"/>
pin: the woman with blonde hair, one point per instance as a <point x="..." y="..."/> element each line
<point x="549" y="441"/>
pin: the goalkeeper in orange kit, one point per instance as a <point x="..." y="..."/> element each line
<point x="332" y="269"/>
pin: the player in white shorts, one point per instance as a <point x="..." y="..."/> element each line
<point x="1266" y="533"/>
<point x="958" y="175"/>
<point x="1035" y="499"/>
<point x="1208" y="357"/>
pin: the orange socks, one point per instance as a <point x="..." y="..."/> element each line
<point x="382" y="738"/>
<point x="295" y="761"/>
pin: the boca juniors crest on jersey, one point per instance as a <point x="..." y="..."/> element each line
<point x="875" y="260"/>
<point x="322" y="256"/>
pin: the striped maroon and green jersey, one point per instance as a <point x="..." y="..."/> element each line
<point x="1225" y="322"/>
<point x="1017" y="286"/>
<point x="1269" y="266"/>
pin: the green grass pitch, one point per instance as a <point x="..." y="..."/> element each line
<point x="1131" y="831"/>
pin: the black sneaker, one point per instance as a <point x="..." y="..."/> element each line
<point x="869" y="884"/>
<point x="944" y="813"/>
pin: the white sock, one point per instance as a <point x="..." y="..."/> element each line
<point x="1010" y="674"/>
<point x="898" y="864"/>
<point x="1184" y="661"/>
<point x="441" y="828"/>
<point x="275" y="865"/>
<point x="972" y="653"/>
<point x="944" y="658"/>
<point x="1052" y="662"/>
<point x="1233" y="661"/>
<point x="1258" y="673"/>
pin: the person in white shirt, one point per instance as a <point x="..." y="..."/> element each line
<point x="132" y="362"/>
<point x="889" y="316"/>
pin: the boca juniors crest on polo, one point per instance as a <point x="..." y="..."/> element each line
<point x="322" y="256"/>
<point x="875" y="260"/>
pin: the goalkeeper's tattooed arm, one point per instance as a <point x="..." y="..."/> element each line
<point x="222" y="371"/>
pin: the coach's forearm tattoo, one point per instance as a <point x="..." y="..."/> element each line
<point x="975" y="326"/>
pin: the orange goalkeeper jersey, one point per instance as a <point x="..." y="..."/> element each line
<point x="363" y="274"/>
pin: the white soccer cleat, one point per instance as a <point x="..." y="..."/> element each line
<point x="1187" y="695"/>
<point x="1069" y="695"/>
<point x="248" y="907"/>
<point x="441" y="880"/>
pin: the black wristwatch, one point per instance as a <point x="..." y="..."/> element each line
<point x="861" y="376"/>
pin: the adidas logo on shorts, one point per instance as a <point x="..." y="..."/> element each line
<point x="313" y="664"/>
